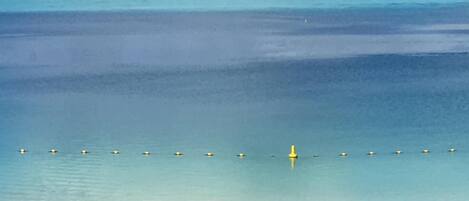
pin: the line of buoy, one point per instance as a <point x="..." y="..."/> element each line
<point x="293" y="153"/>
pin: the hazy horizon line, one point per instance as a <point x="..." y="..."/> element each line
<point x="26" y="7"/>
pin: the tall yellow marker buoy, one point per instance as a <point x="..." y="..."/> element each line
<point x="292" y="152"/>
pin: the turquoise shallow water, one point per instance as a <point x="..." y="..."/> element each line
<point x="130" y="176"/>
<point x="353" y="80"/>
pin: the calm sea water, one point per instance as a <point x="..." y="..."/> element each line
<point x="206" y="5"/>
<point x="329" y="81"/>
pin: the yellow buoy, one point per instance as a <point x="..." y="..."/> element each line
<point x="292" y="152"/>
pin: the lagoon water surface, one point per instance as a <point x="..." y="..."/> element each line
<point x="328" y="80"/>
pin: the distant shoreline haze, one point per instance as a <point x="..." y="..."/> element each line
<point x="206" y="5"/>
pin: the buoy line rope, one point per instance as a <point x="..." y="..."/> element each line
<point x="293" y="153"/>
